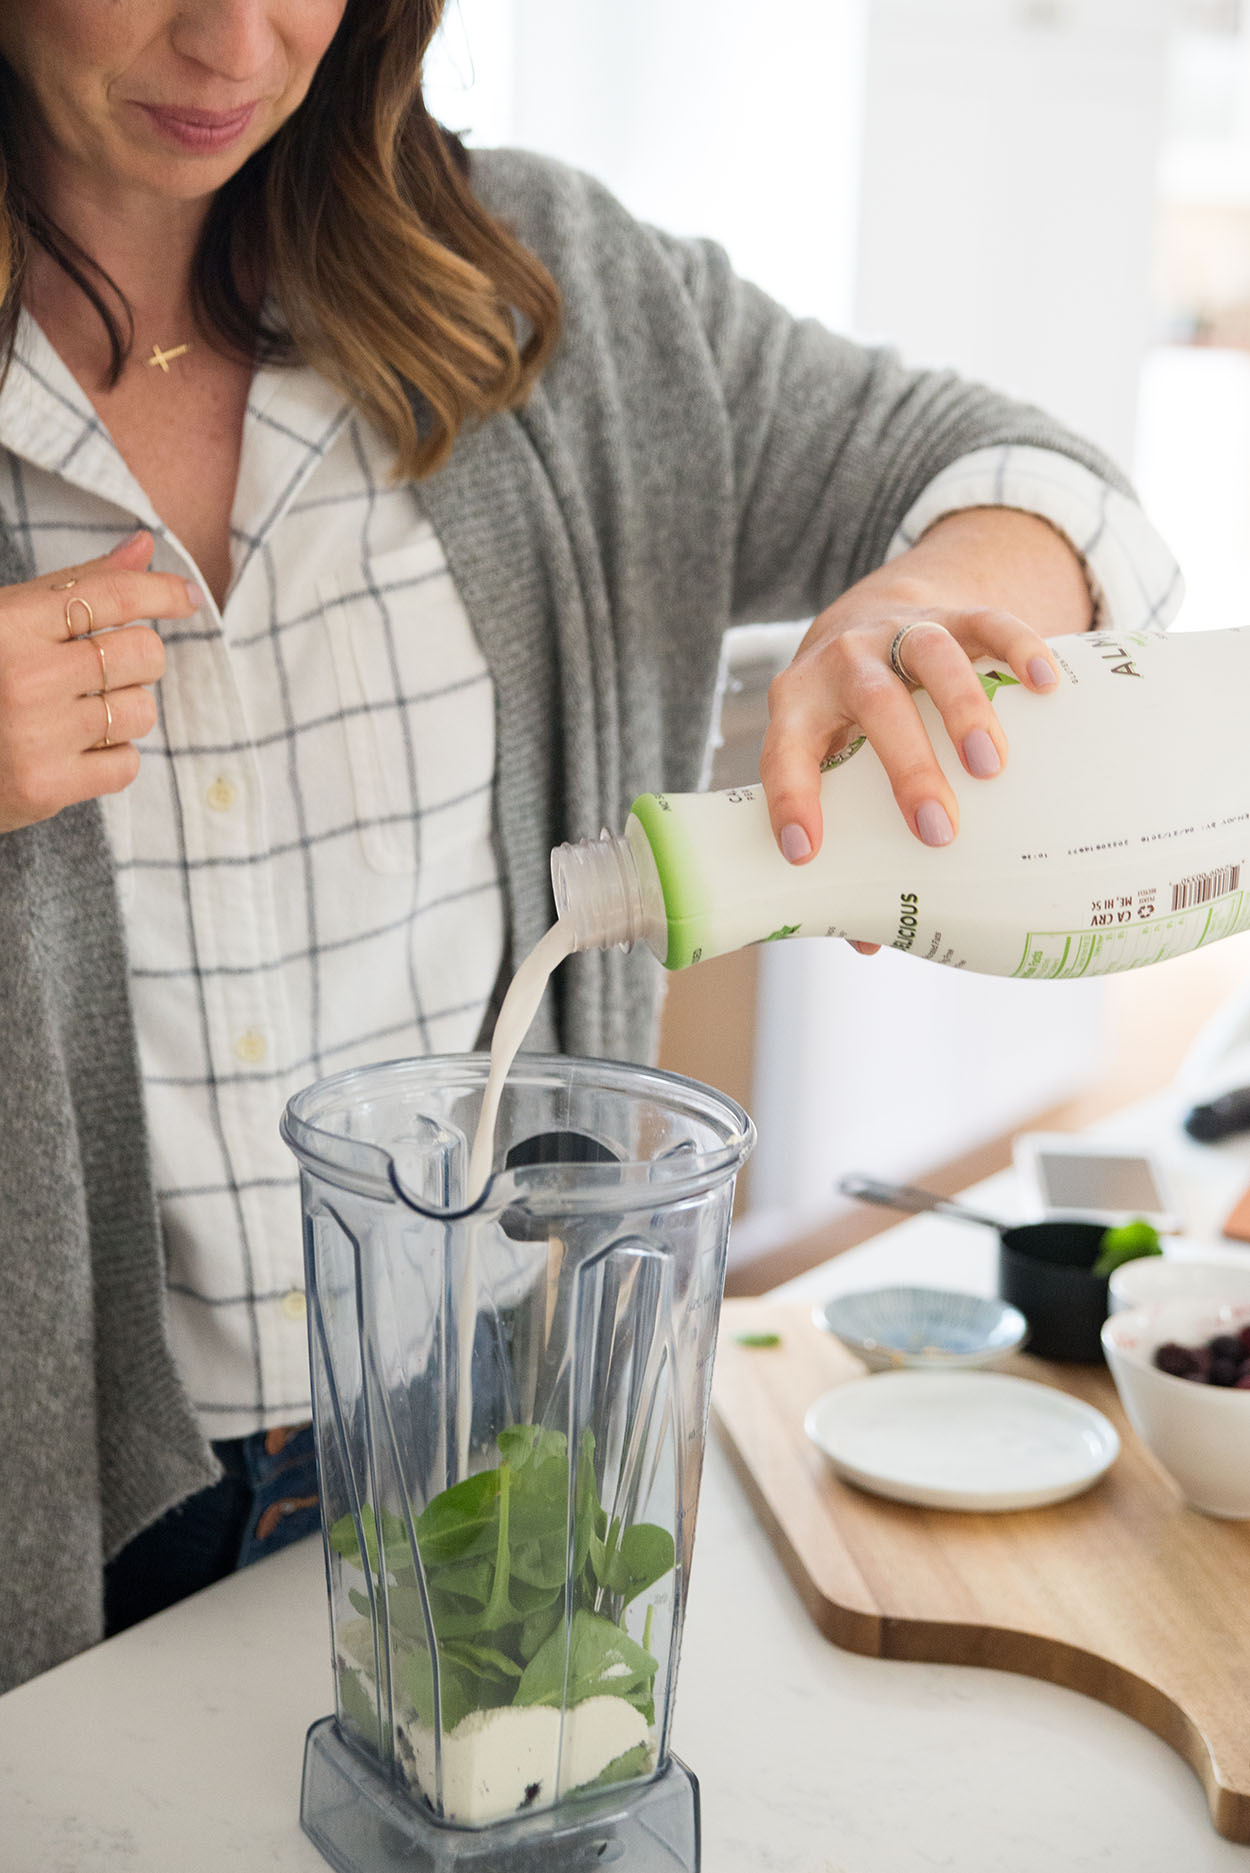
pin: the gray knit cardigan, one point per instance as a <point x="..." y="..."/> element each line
<point x="693" y="457"/>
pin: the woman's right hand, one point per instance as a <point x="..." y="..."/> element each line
<point x="53" y="718"/>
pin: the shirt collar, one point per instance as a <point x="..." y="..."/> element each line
<point x="293" y="416"/>
<point x="47" y="419"/>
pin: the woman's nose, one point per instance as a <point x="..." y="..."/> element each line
<point x="233" y="38"/>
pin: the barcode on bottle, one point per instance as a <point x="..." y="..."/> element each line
<point x="1205" y="886"/>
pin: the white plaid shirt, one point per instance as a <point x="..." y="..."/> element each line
<point x="305" y="861"/>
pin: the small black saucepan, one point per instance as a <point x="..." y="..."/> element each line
<point x="1044" y="1268"/>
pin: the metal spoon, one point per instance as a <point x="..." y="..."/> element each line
<point x="908" y="1197"/>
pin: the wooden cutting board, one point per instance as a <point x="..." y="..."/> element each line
<point x="1122" y="1593"/>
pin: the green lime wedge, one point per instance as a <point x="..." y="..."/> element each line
<point x="1126" y="1244"/>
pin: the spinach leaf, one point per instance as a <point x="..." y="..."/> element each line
<point x="523" y="1443"/>
<point x="463" y="1583"/>
<point x="357" y="1705"/>
<point x="461" y="1520"/>
<point x="632" y="1560"/>
<point x="463" y="1689"/>
<point x="343" y="1540"/>
<point x="483" y="1659"/>
<point x="602" y="1661"/>
<point x="407" y="1615"/>
<point x="589" y="1519"/>
<point x="624" y="1768"/>
<point x="538" y="1627"/>
<point x="539" y="1513"/>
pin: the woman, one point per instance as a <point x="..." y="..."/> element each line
<point x="437" y="483"/>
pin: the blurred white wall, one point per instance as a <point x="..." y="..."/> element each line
<point x="1010" y="159"/>
<point x="698" y="117"/>
<point x="974" y="180"/>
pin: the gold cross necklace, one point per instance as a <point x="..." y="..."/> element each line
<point x="165" y="358"/>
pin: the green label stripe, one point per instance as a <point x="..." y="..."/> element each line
<point x="678" y="867"/>
<point x="993" y="680"/>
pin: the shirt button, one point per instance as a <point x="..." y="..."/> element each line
<point x="251" y="1047"/>
<point x="222" y="794"/>
<point x="294" y="1306"/>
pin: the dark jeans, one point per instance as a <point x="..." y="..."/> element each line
<point x="266" y="1499"/>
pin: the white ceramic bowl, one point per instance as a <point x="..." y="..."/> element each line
<point x="937" y="1328"/>
<point x="1199" y="1433"/>
<point x="1165" y="1278"/>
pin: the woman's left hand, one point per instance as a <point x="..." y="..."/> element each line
<point x="967" y="586"/>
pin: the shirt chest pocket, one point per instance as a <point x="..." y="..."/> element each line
<point x="414" y="697"/>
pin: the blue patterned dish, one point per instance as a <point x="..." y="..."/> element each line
<point x="933" y="1327"/>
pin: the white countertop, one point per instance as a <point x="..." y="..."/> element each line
<point x="176" y="1748"/>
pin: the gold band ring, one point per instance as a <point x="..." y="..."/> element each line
<point x="104" y="675"/>
<point x="108" y="724"/>
<point x="66" y="585"/>
<point x="70" y="632"/>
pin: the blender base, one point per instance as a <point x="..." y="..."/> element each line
<point x="362" y="1823"/>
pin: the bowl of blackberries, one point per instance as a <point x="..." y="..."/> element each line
<point x="1182" y="1369"/>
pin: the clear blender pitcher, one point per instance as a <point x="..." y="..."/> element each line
<point x="510" y="1402"/>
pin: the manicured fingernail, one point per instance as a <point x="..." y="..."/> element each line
<point x="132" y="537"/>
<point x="1040" y="674"/>
<point x="194" y="594"/>
<point x="932" y="823"/>
<point x="981" y="754"/>
<point x="795" y="844"/>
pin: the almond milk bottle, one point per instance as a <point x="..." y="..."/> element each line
<point x="1117" y="834"/>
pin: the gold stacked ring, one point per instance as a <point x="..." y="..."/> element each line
<point x="70" y="632"/>
<point x="108" y="723"/>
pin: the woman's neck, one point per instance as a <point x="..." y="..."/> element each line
<point x="146" y="247"/>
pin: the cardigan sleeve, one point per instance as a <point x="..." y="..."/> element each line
<point x="834" y="442"/>
<point x="687" y="394"/>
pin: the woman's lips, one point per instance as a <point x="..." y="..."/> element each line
<point x="198" y="130"/>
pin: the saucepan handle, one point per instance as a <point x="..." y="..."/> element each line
<point x="908" y="1197"/>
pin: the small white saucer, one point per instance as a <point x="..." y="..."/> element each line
<point x="962" y="1440"/>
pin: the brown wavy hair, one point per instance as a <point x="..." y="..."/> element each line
<point x="358" y="222"/>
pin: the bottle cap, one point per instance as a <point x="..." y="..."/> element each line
<point x="608" y="893"/>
